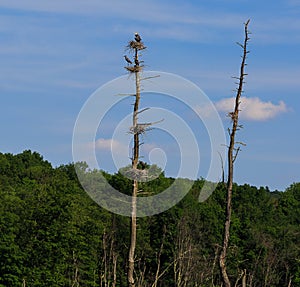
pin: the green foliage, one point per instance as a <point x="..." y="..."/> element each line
<point x="53" y="234"/>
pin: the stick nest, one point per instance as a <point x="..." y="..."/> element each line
<point x="140" y="128"/>
<point x="134" y="69"/>
<point x="141" y="175"/>
<point x="137" y="174"/>
<point x="132" y="45"/>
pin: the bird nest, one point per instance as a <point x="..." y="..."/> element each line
<point x="137" y="174"/>
<point x="136" y="45"/>
<point x="140" y="128"/>
<point x="134" y="69"/>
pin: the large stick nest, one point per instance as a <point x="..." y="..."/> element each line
<point x="136" y="45"/>
<point x="143" y="127"/>
<point x="137" y="174"/>
<point x="134" y="69"/>
<point x="141" y="175"/>
<point x="140" y="128"/>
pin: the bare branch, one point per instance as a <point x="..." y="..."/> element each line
<point x="143" y="110"/>
<point x="125" y="95"/>
<point x="236" y="154"/>
<point x="222" y="167"/>
<point x="148" y="78"/>
<point x="241" y="143"/>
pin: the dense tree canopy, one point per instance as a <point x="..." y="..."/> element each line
<point x="53" y="234"/>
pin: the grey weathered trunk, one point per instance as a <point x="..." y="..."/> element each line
<point x="232" y="154"/>
<point x="136" y="46"/>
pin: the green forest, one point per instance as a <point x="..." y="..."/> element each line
<point x="53" y="234"/>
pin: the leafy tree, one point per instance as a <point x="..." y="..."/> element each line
<point x="53" y="234"/>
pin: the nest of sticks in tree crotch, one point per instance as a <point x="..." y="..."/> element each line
<point x="137" y="174"/>
<point x="135" y="65"/>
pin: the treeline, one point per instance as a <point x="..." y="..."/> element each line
<point x="53" y="234"/>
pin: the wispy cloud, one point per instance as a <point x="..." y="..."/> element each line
<point x="253" y="109"/>
<point x="154" y="11"/>
<point x="294" y="2"/>
<point x="111" y="145"/>
<point x="183" y="21"/>
<point x="273" y="78"/>
<point x="157" y="19"/>
<point x="276" y="30"/>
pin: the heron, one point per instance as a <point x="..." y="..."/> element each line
<point x="127" y="59"/>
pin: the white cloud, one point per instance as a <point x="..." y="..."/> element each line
<point x="253" y="109"/>
<point x="111" y="145"/>
<point x="205" y="111"/>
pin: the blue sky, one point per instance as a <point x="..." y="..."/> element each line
<point x="55" y="54"/>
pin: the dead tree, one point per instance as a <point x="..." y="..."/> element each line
<point x="108" y="271"/>
<point x="134" y="46"/>
<point x="184" y="256"/>
<point x="232" y="154"/>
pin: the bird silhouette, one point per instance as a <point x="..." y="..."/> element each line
<point x="137" y="37"/>
<point x="127" y="59"/>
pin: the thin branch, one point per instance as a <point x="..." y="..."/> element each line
<point x="143" y="110"/>
<point x="125" y="95"/>
<point x="237" y="150"/>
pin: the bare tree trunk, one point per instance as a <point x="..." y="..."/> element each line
<point x="104" y="276"/>
<point x="108" y="269"/>
<point x="290" y="282"/>
<point x="75" y="282"/>
<point x="214" y="265"/>
<point x="135" y="160"/>
<point x="186" y="259"/>
<point x="132" y="236"/>
<point x="232" y="154"/>
<point x="244" y="278"/>
<point x="114" y="283"/>
<point x="113" y="254"/>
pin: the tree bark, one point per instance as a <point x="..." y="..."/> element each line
<point x="232" y="154"/>
<point x="135" y="184"/>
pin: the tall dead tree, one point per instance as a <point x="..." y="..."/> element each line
<point x="135" y="68"/>
<point x="232" y="154"/>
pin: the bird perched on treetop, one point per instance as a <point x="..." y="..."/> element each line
<point x="127" y="59"/>
<point x="137" y="37"/>
<point x="142" y="165"/>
